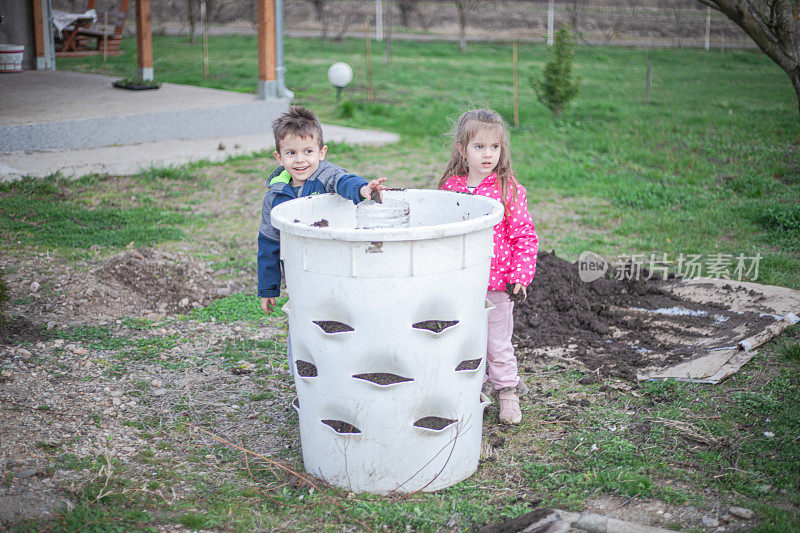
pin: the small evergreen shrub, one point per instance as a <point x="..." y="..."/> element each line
<point x="558" y="86"/>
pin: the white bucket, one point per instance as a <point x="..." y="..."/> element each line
<point x="11" y="57"/>
<point x="388" y="334"/>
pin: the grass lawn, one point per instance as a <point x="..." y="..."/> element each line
<point x="710" y="166"/>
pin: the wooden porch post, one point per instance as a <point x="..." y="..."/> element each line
<point x="38" y="35"/>
<point x="144" y="41"/>
<point x="266" y="49"/>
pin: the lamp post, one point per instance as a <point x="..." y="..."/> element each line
<point x="340" y="74"/>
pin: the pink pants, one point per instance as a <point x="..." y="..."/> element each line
<point x="501" y="363"/>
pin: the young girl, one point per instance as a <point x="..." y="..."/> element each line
<point x="480" y="164"/>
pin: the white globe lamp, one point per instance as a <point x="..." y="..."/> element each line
<point x="339" y="75"/>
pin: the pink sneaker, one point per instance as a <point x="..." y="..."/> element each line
<point x="510" y="412"/>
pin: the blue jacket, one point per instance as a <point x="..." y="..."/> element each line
<point x="328" y="178"/>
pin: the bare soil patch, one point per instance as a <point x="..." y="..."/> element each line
<point x="608" y="324"/>
<point x="67" y="403"/>
<point x="142" y="283"/>
<point x="170" y="283"/>
<point x="18" y="330"/>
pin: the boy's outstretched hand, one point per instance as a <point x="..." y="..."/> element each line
<point x="267" y="305"/>
<point x="373" y="190"/>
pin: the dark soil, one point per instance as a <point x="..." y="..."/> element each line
<point x="306" y="369"/>
<point x="522" y="523"/>
<point x="321" y="223"/>
<point x="19" y="329"/>
<point x="606" y="326"/>
<point x="433" y="422"/>
<point x="341" y="427"/>
<point x="470" y="364"/>
<point x="437" y="326"/>
<point x="157" y="276"/>
<point x="331" y="326"/>
<point x="375" y="196"/>
<point x="381" y="378"/>
<point x="514" y="297"/>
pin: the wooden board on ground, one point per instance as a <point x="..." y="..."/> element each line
<point x="714" y="366"/>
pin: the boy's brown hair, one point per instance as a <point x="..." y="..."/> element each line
<point x="298" y="121"/>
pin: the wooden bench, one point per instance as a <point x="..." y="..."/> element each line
<point x="99" y="38"/>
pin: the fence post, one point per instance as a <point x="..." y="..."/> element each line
<point x="205" y="37"/>
<point x="369" y="60"/>
<point x="516" y="89"/>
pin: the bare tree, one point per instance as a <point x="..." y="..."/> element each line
<point x="319" y="7"/>
<point x="576" y="10"/>
<point x="616" y="20"/>
<point x="341" y="18"/>
<point x="406" y="7"/>
<point x="677" y="15"/>
<point x="188" y="11"/>
<point x="773" y="25"/>
<point x="387" y="50"/>
<point x="181" y="9"/>
<point x="462" y="6"/>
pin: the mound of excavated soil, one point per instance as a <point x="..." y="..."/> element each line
<point x="164" y="282"/>
<point x="145" y="283"/>
<point x="620" y="325"/>
<point x="19" y="329"/>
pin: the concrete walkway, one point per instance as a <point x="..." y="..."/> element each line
<point x="55" y="110"/>
<point x="131" y="158"/>
<point x="77" y="124"/>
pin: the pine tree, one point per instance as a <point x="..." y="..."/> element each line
<point x="557" y="86"/>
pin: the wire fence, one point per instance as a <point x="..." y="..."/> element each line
<point x="676" y="23"/>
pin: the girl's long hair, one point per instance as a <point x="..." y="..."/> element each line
<point x="468" y="125"/>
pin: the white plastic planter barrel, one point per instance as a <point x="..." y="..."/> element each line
<point x="388" y="334"/>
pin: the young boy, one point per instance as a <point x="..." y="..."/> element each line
<point x="303" y="171"/>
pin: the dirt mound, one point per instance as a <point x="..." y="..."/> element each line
<point x="620" y="325"/>
<point x="141" y="283"/>
<point x="164" y="282"/>
<point x="160" y="282"/>
<point x="19" y="329"/>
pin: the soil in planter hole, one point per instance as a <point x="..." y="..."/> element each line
<point x="321" y="223"/>
<point x="433" y="422"/>
<point x="437" y="326"/>
<point x="306" y="369"/>
<point x="470" y="364"/>
<point x="331" y="326"/>
<point x="341" y="427"/>
<point x="382" y="378"/>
